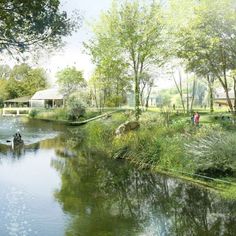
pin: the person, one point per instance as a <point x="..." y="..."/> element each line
<point x="192" y="119"/>
<point x="196" y="118"/>
<point x="17" y="136"/>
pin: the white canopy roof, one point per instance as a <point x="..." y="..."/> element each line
<point x="47" y="94"/>
<point x="220" y="94"/>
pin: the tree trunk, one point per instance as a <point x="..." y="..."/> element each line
<point x="141" y="94"/>
<point x="137" y="98"/>
<point x="147" y="98"/>
<point x="95" y="96"/>
<point x="224" y="82"/>
<point x="226" y="89"/>
<point x="179" y="88"/>
<point x="210" y="82"/>
<point x="227" y="92"/>
<point x="234" y="95"/>
<point x="193" y="94"/>
<point x="187" y="101"/>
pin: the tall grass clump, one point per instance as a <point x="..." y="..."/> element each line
<point x="140" y="147"/>
<point x="214" y="155"/>
<point x="100" y="133"/>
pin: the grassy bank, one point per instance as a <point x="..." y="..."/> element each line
<point x="170" y="144"/>
<point x="60" y="114"/>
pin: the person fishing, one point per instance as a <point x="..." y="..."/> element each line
<point x="17" y="138"/>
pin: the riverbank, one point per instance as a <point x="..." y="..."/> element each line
<point x="168" y="143"/>
<point x="61" y="116"/>
<point x="174" y="146"/>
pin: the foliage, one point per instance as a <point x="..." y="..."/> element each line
<point x="32" y="23"/>
<point x="109" y="89"/>
<point x="214" y="155"/>
<point x="59" y="114"/>
<point x="3" y="89"/>
<point x="33" y="113"/>
<point x="130" y="30"/>
<point x="25" y="81"/>
<point x="207" y="42"/>
<point x="75" y="109"/>
<point x="69" y="80"/>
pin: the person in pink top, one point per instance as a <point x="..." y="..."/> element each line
<point x="196" y="118"/>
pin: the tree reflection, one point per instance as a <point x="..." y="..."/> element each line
<point x="107" y="197"/>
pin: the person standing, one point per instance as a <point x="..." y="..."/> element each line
<point x="196" y="119"/>
<point x="192" y="119"/>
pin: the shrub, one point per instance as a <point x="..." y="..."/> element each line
<point x="75" y="109"/>
<point x="172" y="153"/>
<point x="214" y="155"/>
<point x="33" y="113"/>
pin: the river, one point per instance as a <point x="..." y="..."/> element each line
<point x="55" y="186"/>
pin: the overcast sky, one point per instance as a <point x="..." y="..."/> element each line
<point x="72" y="54"/>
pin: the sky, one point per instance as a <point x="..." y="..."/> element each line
<point x="73" y="53"/>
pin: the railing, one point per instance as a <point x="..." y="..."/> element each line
<point x="15" y="111"/>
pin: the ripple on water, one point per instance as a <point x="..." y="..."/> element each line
<point x="14" y="214"/>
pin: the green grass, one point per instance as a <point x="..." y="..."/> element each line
<point x="157" y="145"/>
<point x="59" y="114"/>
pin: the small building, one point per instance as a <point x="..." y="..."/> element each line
<point x="18" y="102"/>
<point x="48" y="98"/>
<point x="220" y="98"/>
<point x="16" y="106"/>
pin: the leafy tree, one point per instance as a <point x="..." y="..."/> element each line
<point x="69" y="80"/>
<point x="109" y="87"/>
<point x="5" y="71"/>
<point x="25" y="81"/>
<point x="75" y="109"/>
<point x="146" y="84"/>
<point x="208" y="42"/>
<point x="4" y="75"/>
<point x="133" y="30"/>
<point x="27" y="23"/>
<point x="110" y="81"/>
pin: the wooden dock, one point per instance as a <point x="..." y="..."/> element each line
<point x="16" y="111"/>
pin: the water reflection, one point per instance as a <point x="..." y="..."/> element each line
<point x="98" y="196"/>
<point x="32" y="131"/>
<point x="112" y="198"/>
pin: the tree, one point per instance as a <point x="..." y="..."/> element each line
<point x="69" y="80"/>
<point x="4" y="76"/>
<point x="25" y="81"/>
<point x="28" y="23"/>
<point x="133" y="31"/>
<point x="207" y="43"/>
<point x="146" y="84"/>
<point x="111" y="74"/>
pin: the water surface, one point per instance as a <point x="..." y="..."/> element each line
<point x="57" y="186"/>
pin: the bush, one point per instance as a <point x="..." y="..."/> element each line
<point x="33" y="113"/>
<point x="214" y="155"/>
<point x="1" y="103"/>
<point x="75" y="109"/>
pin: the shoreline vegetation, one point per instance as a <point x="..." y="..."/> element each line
<point x="167" y="143"/>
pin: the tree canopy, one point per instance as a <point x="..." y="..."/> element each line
<point x="27" y="23"/>
<point x="22" y="80"/>
<point x="129" y="31"/>
<point x="69" y="80"/>
<point x="207" y="43"/>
